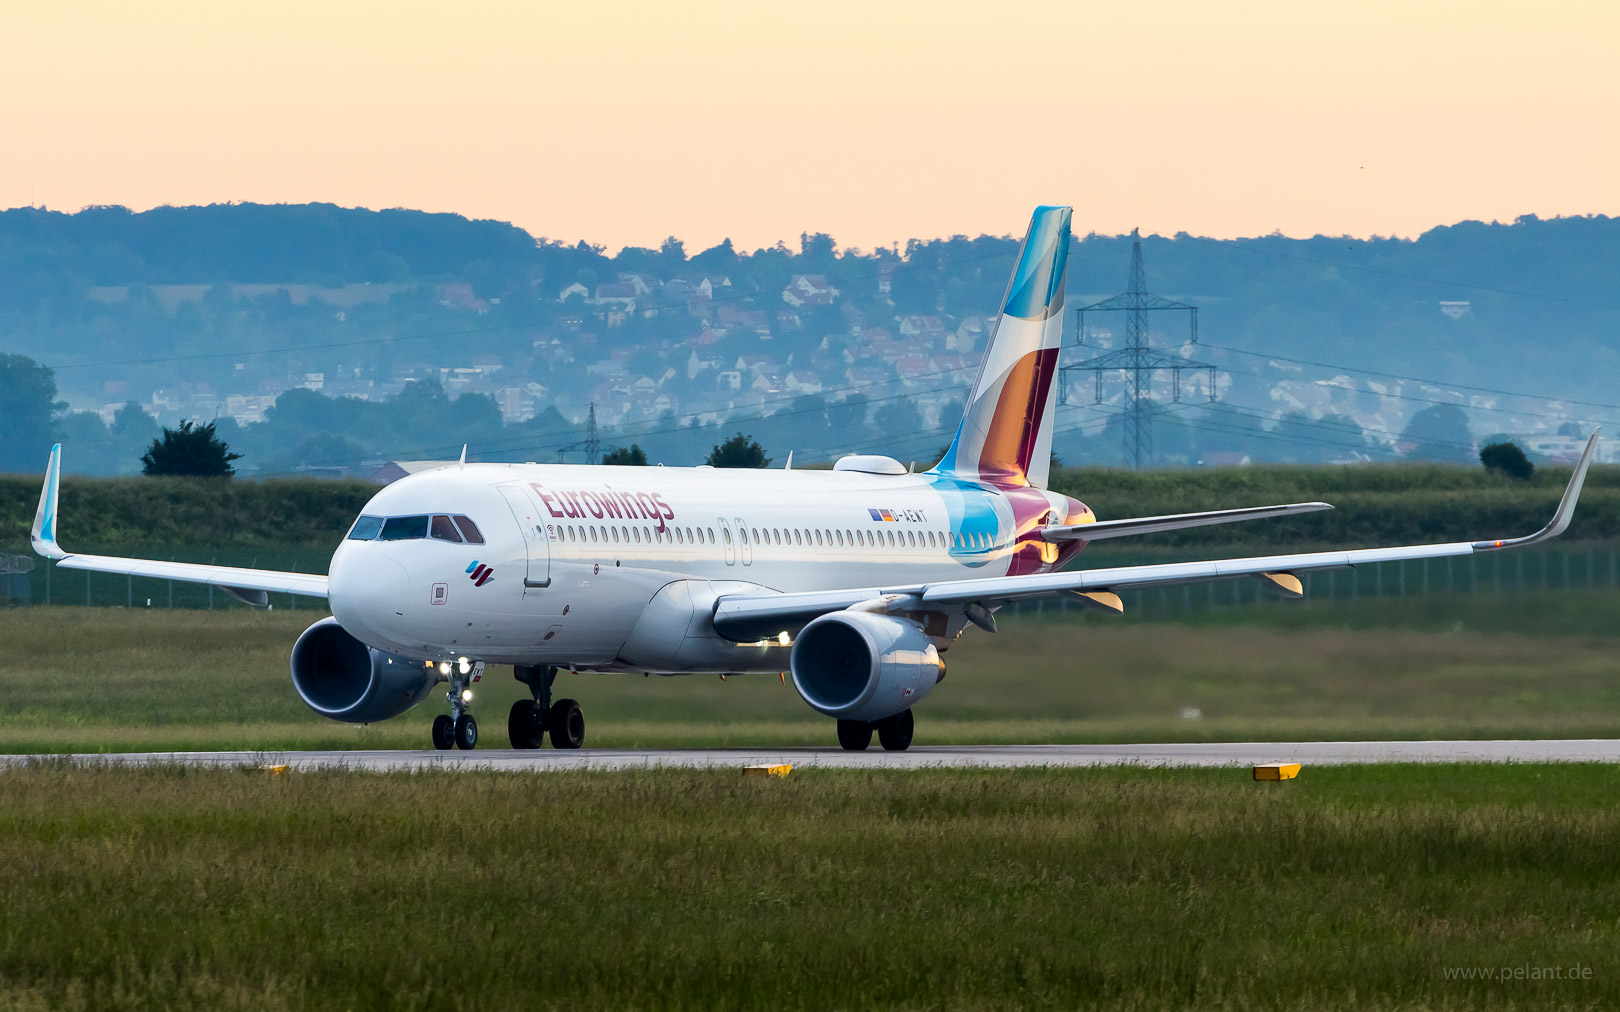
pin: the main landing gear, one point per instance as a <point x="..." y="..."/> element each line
<point x="894" y="733"/>
<point x="532" y="720"/>
<point x="458" y="729"/>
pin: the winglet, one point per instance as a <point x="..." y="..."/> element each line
<point x="1566" y="505"/>
<point x="44" y="533"/>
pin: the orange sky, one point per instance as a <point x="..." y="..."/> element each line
<point x="871" y="120"/>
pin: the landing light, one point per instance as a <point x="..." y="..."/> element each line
<point x="464" y="665"/>
<point x="444" y="667"/>
<point x="466" y="695"/>
<point x="782" y="638"/>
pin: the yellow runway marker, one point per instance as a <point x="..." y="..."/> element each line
<point x="1276" y="771"/>
<point x="768" y="770"/>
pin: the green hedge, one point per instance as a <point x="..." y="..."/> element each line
<point x="106" y="512"/>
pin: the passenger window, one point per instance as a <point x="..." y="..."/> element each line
<point x="728" y="537"/>
<point x="366" y="529"/>
<point x="711" y="537"/>
<point x="891" y="539"/>
<point x="798" y="538"/>
<point x="777" y="535"/>
<point x="469" y="530"/>
<point x="404" y="528"/>
<point x="442" y="529"/>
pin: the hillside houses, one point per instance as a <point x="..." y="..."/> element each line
<point x="809" y="290"/>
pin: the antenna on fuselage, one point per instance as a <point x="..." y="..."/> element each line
<point x="463" y="461"/>
<point x="789" y="465"/>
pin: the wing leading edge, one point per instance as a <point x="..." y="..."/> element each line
<point x="250" y="585"/>
<point x="745" y="618"/>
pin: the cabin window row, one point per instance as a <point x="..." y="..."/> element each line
<point x="749" y="536"/>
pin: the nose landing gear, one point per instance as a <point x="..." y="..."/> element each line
<point x="458" y="729"/>
<point x="532" y="720"/>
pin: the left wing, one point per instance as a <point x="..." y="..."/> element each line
<point x="1097" y="530"/>
<point x="250" y="585"/>
<point x="749" y="617"/>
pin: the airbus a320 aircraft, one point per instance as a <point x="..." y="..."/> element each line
<point x="855" y="580"/>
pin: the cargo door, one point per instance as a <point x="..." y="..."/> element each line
<point x="536" y="541"/>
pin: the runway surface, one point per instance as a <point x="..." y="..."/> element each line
<point x="920" y="757"/>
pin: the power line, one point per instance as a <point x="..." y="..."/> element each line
<point x="1246" y="247"/>
<point x="1415" y="379"/>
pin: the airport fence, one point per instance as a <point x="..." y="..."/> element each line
<point x="1593" y="566"/>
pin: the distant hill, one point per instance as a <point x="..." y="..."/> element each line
<point x="252" y="243"/>
<point x="222" y="310"/>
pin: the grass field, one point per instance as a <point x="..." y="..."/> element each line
<point x="1534" y="665"/>
<point x="1352" y="888"/>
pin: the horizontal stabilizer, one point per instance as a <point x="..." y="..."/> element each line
<point x="1100" y="529"/>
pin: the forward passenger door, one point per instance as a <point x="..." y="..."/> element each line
<point x="536" y="542"/>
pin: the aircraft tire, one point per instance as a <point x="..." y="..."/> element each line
<point x="466" y="732"/>
<point x="854" y="735"/>
<point x="566" y="724"/>
<point x="523" y="725"/>
<point x="444" y="732"/>
<point x="895" y="732"/>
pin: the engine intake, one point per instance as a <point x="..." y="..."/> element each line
<point x="343" y="679"/>
<point x="855" y="665"/>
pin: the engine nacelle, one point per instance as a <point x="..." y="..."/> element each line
<point x="855" y="665"/>
<point x="343" y="679"/>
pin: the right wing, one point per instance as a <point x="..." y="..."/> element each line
<point x="250" y="585"/>
<point x="748" y="617"/>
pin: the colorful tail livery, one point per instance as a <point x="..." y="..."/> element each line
<point x="1006" y="433"/>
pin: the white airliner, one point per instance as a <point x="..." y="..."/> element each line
<point x="855" y="580"/>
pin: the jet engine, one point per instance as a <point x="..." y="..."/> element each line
<point x="855" y="665"/>
<point x="343" y="679"/>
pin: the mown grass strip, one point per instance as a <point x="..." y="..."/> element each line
<point x="1135" y="888"/>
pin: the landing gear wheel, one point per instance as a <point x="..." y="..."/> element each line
<point x="523" y="725"/>
<point x="854" y="735"/>
<point x="566" y="722"/>
<point x="466" y="732"/>
<point x="444" y="732"/>
<point x="895" y="732"/>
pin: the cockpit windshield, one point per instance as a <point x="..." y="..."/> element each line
<point x="440" y="527"/>
<point x="366" y="528"/>
<point x="404" y="528"/>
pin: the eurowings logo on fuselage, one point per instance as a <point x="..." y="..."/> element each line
<point x="605" y="503"/>
<point x="479" y="573"/>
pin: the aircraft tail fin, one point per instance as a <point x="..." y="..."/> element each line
<point x="1006" y="431"/>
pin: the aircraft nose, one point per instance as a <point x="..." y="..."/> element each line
<point x="367" y="592"/>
